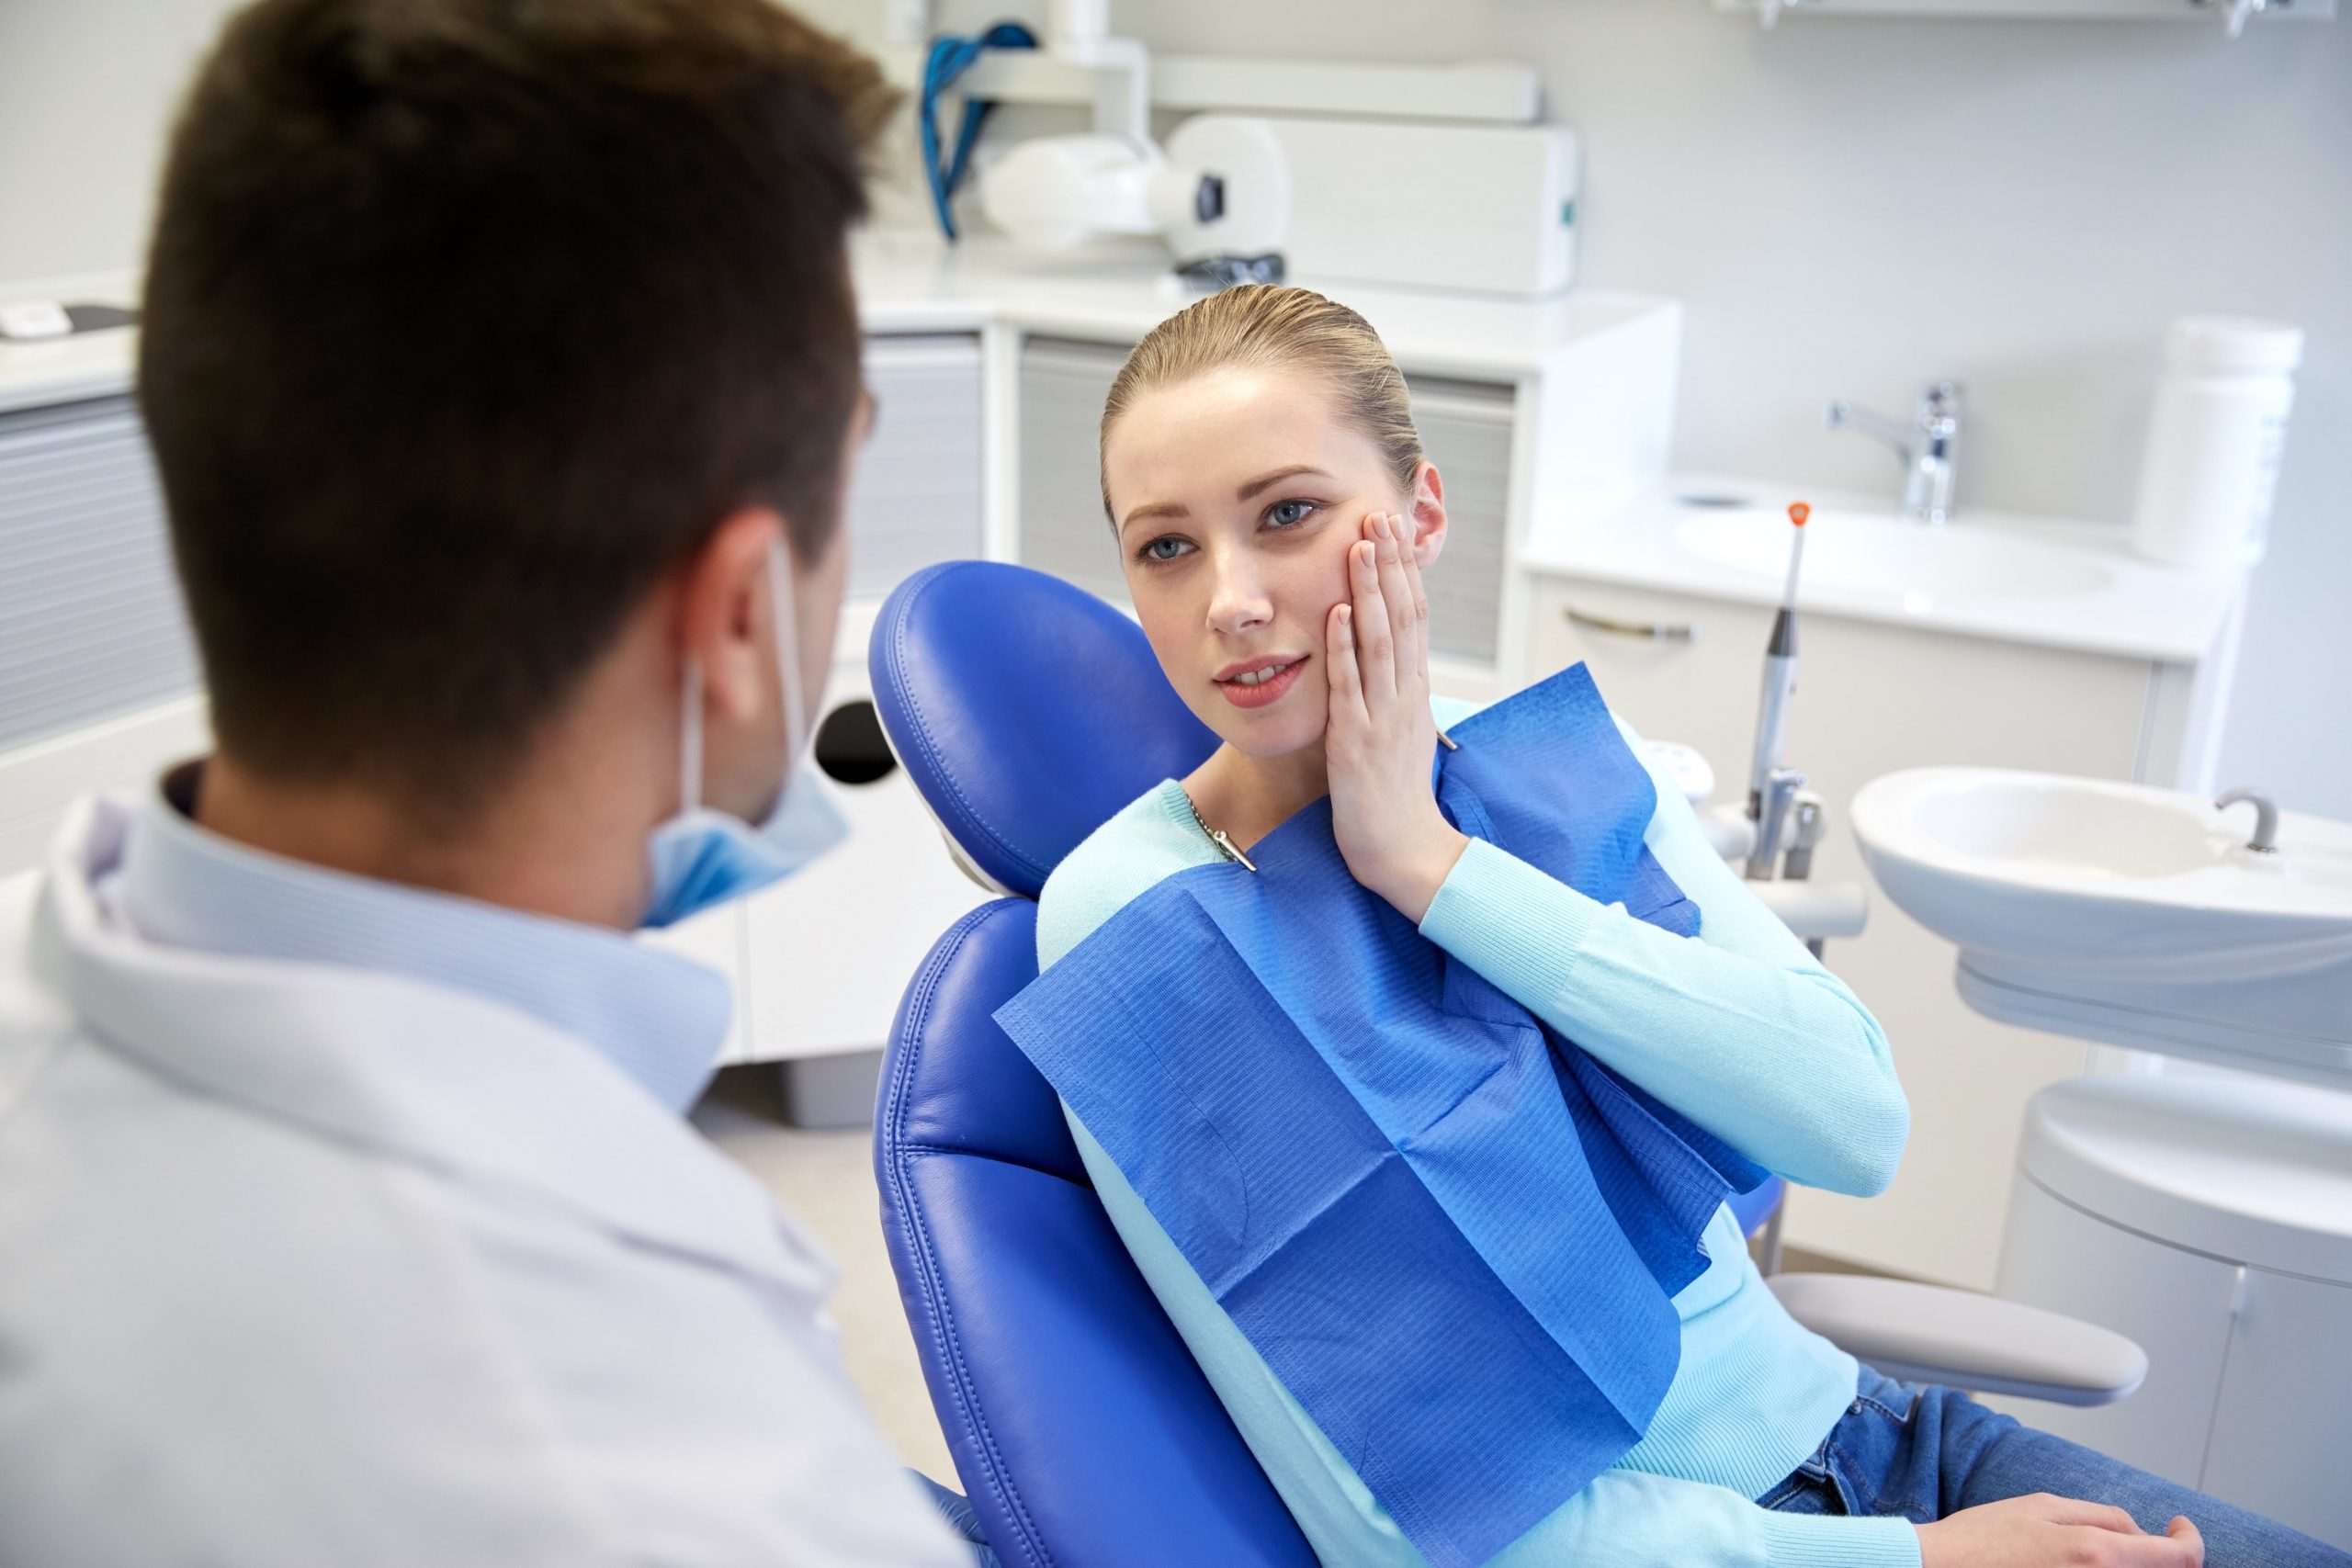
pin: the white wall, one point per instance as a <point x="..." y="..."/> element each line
<point x="1853" y="207"/>
<point x="1850" y="206"/>
<point x="87" y="92"/>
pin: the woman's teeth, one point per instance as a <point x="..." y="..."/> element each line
<point x="1259" y="677"/>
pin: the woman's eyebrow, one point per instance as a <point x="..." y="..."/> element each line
<point x="1157" y="509"/>
<point x="1262" y="481"/>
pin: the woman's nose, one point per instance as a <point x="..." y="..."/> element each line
<point x="1238" y="601"/>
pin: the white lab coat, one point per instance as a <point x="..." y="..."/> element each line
<point x="313" y="1268"/>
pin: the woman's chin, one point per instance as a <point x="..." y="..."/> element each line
<point x="1270" y="735"/>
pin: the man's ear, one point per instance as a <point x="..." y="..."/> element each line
<point x="720" y="591"/>
<point x="1429" y="514"/>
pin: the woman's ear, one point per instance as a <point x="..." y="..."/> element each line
<point x="1429" y="514"/>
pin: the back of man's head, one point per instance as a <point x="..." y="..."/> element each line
<point x="466" y="320"/>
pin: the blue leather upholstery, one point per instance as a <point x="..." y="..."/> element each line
<point x="1082" y="1431"/>
<point x="1028" y="712"/>
<point x="1025" y="710"/>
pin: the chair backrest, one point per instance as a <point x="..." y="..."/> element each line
<point x="1026" y="713"/>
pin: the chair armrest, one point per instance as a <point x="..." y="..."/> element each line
<point x="1817" y="910"/>
<point x="1932" y="1334"/>
<point x="1728" y="830"/>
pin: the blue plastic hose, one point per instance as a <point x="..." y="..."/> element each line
<point x="950" y="57"/>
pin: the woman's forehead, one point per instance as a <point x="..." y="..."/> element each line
<point x="1212" y="431"/>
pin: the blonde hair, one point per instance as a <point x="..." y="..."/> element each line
<point x="1261" y="325"/>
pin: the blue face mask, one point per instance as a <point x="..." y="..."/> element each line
<point x="702" y="856"/>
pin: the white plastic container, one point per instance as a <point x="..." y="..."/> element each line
<point x="2214" y="444"/>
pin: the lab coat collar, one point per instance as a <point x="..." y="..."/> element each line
<point x="660" y="1017"/>
<point x="403" y="1070"/>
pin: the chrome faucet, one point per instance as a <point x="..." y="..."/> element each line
<point x="2266" y="818"/>
<point x="1928" y="447"/>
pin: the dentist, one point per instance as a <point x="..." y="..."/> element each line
<point x="501" y="370"/>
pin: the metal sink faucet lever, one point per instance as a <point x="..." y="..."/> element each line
<point x="1927" y="445"/>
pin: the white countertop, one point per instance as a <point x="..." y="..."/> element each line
<point x="2111" y="601"/>
<point x="911" y="283"/>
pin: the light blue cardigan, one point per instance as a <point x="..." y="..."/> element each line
<point x="1740" y="1030"/>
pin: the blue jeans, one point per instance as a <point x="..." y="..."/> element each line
<point x="1926" y="1452"/>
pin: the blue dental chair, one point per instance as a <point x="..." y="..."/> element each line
<point x="1080" y="1427"/>
<point x="1028" y="712"/>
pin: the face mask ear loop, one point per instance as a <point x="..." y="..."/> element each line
<point x="788" y="654"/>
<point x="690" y="738"/>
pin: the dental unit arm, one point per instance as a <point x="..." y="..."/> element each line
<point x="1919" y="1332"/>
<point x="1785" y="820"/>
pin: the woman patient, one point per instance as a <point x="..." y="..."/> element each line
<point x="1275" y="515"/>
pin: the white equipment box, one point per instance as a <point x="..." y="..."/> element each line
<point x="1490" y="209"/>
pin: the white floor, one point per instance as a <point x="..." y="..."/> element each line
<point x="827" y="1178"/>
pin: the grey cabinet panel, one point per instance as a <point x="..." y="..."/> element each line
<point x="1466" y="432"/>
<point x="915" y="492"/>
<point x="1063" y="530"/>
<point x="90" y="617"/>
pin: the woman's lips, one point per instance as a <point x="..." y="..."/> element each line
<point x="1269" y="690"/>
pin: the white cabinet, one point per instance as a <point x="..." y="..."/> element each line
<point x="1872" y="699"/>
<point x="2249" y="1390"/>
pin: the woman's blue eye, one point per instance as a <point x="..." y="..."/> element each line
<point x="1166" y="548"/>
<point x="1284" y="513"/>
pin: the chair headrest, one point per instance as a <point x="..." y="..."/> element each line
<point x="1026" y="711"/>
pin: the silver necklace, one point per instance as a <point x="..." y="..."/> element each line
<point x="1216" y="835"/>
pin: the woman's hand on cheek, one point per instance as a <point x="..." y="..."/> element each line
<point x="1380" y="740"/>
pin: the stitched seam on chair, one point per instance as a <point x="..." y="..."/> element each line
<point x="931" y="752"/>
<point x="942" y="1328"/>
<point x="941" y="1321"/>
<point x="954" y="1152"/>
<point x="944" y="1324"/>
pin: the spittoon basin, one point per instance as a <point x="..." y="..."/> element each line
<point x="2084" y="873"/>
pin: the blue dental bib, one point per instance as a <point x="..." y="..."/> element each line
<point x="1451" y="1234"/>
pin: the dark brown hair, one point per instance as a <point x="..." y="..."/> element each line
<point x="466" y="320"/>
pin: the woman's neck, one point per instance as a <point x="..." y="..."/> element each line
<point x="1247" y="798"/>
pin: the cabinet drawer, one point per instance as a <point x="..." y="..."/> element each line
<point x="914" y="494"/>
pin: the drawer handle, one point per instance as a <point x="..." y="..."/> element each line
<point x="1657" y="631"/>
